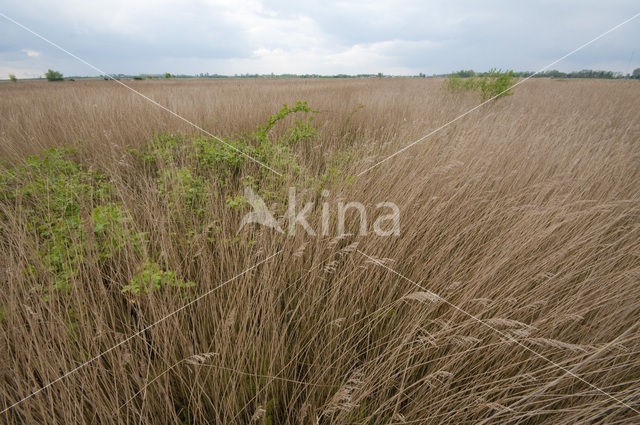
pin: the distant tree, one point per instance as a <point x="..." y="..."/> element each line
<point x="53" y="75"/>
<point x="465" y="73"/>
<point x="167" y="75"/>
<point x="380" y="75"/>
<point x="636" y="73"/>
<point x="554" y="73"/>
<point x="590" y="73"/>
<point x="12" y="78"/>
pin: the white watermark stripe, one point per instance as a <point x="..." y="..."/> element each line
<point x="499" y="94"/>
<point x="140" y="94"/>
<point x="129" y="338"/>
<point x="505" y="335"/>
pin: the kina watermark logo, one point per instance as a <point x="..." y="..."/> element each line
<point x="260" y="214"/>
<point x="325" y="219"/>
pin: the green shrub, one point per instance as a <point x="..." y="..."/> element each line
<point x="184" y="191"/>
<point x="12" y="78"/>
<point x="111" y="230"/>
<point x="494" y="83"/>
<point x="53" y="75"/>
<point x="152" y="277"/>
<point x="456" y="83"/>
<point x="301" y="130"/>
<point x="186" y="165"/>
<point x="60" y="202"/>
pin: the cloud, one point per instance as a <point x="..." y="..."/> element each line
<point x="31" y="53"/>
<point x="388" y="57"/>
<point x="328" y="37"/>
<point x="19" y="72"/>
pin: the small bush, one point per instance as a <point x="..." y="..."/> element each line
<point x="13" y="78"/>
<point x="53" y="75"/>
<point x="494" y="83"/>
<point x="151" y="277"/>
<point x="61" y="203"/>
<point x="456" y="83"/>
<point x="195" y="160"/>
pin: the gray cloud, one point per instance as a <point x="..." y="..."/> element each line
<point x="253" y="36"/>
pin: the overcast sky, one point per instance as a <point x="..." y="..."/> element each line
<point x="322" y="37"/>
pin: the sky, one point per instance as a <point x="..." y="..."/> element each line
<point x="315" y="37"/>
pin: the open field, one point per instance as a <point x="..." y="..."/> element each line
<point x="523" y="217"/>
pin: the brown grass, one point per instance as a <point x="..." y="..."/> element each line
<point x="524" y="214"/>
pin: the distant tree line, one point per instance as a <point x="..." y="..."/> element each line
<point x="52" y="75"/>
<point x="585" y="73"/>
<point x="207" y="75"/>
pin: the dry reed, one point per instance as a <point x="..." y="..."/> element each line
<point x="525" y="214"/>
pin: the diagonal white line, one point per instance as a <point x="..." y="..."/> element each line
<point x="499" y="94"/>
<point x="509" y="337"/>
<point x="140" y="94"/>
<point x="124" y="341"/>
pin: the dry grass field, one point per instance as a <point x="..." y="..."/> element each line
<point x="523" y="217"/>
